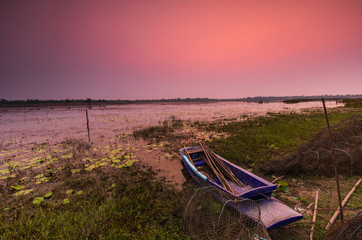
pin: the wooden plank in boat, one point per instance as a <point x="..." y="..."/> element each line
<point x="196" y="150"/>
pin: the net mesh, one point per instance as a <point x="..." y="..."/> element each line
<point x="210" y="213"/>
<point x="350" y="229"/>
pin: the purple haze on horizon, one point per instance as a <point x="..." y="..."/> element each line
<point x="178" y="49"/>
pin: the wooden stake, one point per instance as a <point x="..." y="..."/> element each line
<point x="86" y="114"/>
<point x="314" y="214"/>
<point x="333" y="160"/>
<point x="335" y="215"/>
<point x="307" y="208"/>
<point x="278" y="178"/>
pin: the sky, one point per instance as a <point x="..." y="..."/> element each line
<point x="138" y="49"/>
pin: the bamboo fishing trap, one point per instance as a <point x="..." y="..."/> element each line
<point x="350" y="229"/>
<point x="211" y="213"/>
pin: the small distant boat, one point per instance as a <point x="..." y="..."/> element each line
<point x="274" y="214"/>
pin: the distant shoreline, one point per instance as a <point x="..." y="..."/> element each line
<point x="91" y="102"/>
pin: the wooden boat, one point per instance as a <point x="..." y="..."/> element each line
<point x="273" y="213"/>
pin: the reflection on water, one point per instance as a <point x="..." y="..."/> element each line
<point x="30" y="125"/>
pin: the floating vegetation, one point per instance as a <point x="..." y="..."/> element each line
<point x="38" y="200"/>
<point x="48" y="194"/>
<point x="23" y="192"/>
<point x="18" y="187"/>
<point x="69" y="192"/>
<point x="75" y="171"/>
<point x="67" y="156"/>
<point x="110" y="188"/>
<point x="41" y="178"/>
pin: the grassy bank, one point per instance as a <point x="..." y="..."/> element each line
<point x="253" y="142"/>
<point x="122" y="204"/>
<point x="258" y="140"/>
<point x="353" y="103"/>
<point x="105" y="197"/>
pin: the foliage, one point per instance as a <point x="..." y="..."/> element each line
<point x="137" y="207"/>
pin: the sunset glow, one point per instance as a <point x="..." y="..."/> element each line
<point x="170" y="49"/>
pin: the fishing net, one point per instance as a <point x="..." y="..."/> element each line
<point x="350" y="229"/>
<point x="209" y="213"/>
<point x="314" y="157"/>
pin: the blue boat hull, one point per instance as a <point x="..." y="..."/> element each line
<point x="273" y="213"/>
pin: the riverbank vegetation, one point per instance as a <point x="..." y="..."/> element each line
<point x="102" y="102"/>
<point x="112" y="196"/>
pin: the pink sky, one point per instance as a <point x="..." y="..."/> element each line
<point x="169" y="49"/>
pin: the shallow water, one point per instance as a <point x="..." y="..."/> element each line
<point x="53" y="124"/>
<point x="23" y="132"/>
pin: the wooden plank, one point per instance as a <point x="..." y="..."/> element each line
<point x="196" y="150"/>
<point x="197" y="159"/>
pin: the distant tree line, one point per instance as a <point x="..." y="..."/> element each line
<point x="89" y="101"/>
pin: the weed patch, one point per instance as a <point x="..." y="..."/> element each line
<point x="162" y="131"/>
<point x="136" y="207"/>
<point x="256" y="141"/>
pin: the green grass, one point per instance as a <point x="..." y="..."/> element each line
<point x="161" y="131"/>
<point x="137" y="207"/>
<point x="253" y="142"/>
<point x="353" y="102"/>
<point x="133" y="203"/>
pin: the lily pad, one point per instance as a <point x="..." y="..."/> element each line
<point x="18" y="187"/>
<point x="75" y="171"/>
<point x="112" y="186"/>
<point x="67" y="156"/>
<point x="91" y="167"/>
<point x="48" y="195"/>
<point x="23" y="192"/>
<point x="38" y="200"/>
<point x="70" y="191"/>
<point x="283" y="184"/>
<point x="39" y="175"/>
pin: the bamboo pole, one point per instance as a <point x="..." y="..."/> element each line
<point x="314" y="214"/>
<point x="333" y="160"/>
<point x="335" y="215"/>
<point x="278" y="178"/>
<point x="216" y="167"/>
<point x="86" y="114"/>
<point x="307" y="208"/>
<point x="216" y="171"/>
<point x="226" y="171"/>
